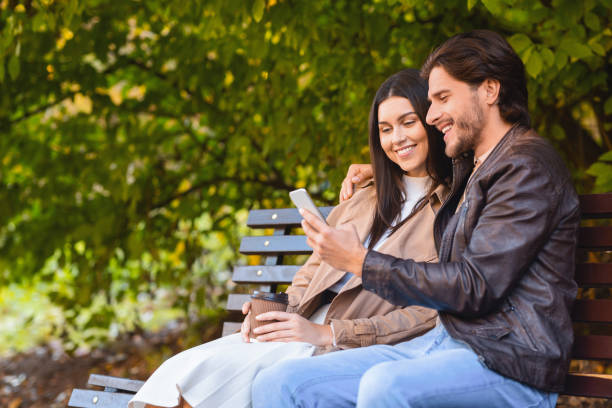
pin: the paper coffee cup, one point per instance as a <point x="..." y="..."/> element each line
<point x="262" y="302"/>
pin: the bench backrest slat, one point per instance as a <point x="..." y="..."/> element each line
<point x="593" y="275"/>
<point x="592" y="347"/>
<point x="270" y="245"/>
<point x="280" y="217"/>
<point x="596" y="238"/>
<point x="281" y="274"/>
<point x="596" y="206"/>
<point x="592" y="310"/>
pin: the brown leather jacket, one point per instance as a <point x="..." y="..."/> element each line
<point x="504" y="284"/>
<point x="361" y="318"/>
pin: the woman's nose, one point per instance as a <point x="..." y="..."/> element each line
<point x="398" y="135"/>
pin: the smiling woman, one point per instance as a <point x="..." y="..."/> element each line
<point x="403" y="146"/>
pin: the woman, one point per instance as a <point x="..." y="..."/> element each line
<point x="329" y="309"/>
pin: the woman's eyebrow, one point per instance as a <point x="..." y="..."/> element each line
<point x="402" y="117"/>
<point x="399" y="119"/>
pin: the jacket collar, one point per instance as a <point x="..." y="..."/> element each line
<point x="510" y="135"/>
<point x="437" y="198"/>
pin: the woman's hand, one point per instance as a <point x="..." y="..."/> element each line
<point x="293" y="327"/>
<point x="357" y="174"/>
<point x="246" y="324"/>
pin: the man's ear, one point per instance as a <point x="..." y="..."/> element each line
<point x="491" y="88"/>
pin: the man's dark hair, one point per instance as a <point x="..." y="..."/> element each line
<point x="479" y="55"/>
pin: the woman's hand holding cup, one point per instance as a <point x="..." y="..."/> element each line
<point x="292" y="327"/>
<point x="246" y="324"/>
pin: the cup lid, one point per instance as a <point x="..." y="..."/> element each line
<point x="274" y="297"/>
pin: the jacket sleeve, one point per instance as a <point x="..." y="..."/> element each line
<point x="301" y="280"/>
<point x="515" y="221"/>
<point x="393" y="327"/>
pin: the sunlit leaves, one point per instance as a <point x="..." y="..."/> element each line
<point x="574" y="48"/>
<point x="136" y="134"/>
<point x="258" y="10"/>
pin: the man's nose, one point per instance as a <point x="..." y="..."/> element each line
<point x="433" y="114"/>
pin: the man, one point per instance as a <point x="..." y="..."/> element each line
<point x="504" y="285"/>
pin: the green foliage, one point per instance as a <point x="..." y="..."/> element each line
<point x="132" y="133"/>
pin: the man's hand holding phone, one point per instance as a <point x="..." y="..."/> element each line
<point x="339" y="247"/>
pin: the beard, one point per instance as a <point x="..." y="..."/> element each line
<point x="468" y="129"/>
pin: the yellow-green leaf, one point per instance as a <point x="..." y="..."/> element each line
<point x="606" y="156"/>
<point x="471" y="4"/>
<point x="548" y="56"/>
<point x="494" y="6"/>
<point x="13" y="67"/>
<point x="258" y="10"/>
<point x="520" y="42"/>
<point x="534" y="64"/>
<point x="574" y="48"/>
<point x="592" y="21"/>
<point x="608" y="106"/>
<point x="598" y="49"/>
<point x="561" y="59"/>
<point x="557" y="132"/>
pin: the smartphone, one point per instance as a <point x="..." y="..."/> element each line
<point x="301" y="199"/>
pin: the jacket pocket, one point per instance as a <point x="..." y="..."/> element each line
<point x="493" y="332"/>
<point x="523" y="328"/>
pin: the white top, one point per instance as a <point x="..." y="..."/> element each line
<point x="415" y="189"/>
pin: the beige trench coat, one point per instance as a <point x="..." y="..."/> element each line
<point x="361" y="318"/>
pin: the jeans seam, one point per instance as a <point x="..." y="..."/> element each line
<point x="539" y="403"/>
<point x="460" y="391"/>
<point x="464" y="389"/>
<point x="318" y="380"/>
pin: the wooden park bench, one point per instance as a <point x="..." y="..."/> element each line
<point x="592" y="317"/>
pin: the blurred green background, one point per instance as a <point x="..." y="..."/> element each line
<point x="135" y="135"/>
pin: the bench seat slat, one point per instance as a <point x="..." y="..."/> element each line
<point x="592" y="348"/>
<point x="98" y="399"/>
<point x="281" y="217"/>
<point x="595" y="238"/>
<point x="118" y="383"/>
<point x="274" y="245"/>
<point x="280" y="274"/>
<point x="588" y="385"/>
<point x="594" y="274"/>
<point x="587" y="310"/>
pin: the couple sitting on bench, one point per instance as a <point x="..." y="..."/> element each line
<point x="450" y="285"/>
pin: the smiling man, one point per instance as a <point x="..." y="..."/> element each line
<point x="504" y="286"/>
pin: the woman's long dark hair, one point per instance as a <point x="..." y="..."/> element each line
<point x="388" y="175"/>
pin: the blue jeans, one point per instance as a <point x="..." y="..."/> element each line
<point x="433" y="370"/>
